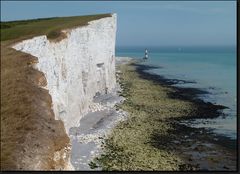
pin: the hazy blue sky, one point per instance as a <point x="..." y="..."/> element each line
<point x="158" y="23"/>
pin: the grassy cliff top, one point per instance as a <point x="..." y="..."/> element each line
<point x="46" y="26"/>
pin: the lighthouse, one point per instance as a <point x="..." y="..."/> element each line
<point x="146" y="54"/>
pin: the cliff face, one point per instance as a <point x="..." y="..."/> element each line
<point x="77" y="68"/>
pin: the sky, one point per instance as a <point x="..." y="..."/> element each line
<point x="141" y="23"/>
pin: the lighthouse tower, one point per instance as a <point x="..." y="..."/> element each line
<point x="146" y="54"/>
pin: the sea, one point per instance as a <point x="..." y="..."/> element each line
<point x="212" y="69"/>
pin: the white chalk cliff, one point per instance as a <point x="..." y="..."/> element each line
<point x="77" y="67"/>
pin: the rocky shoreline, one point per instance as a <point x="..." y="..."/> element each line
<point x="201" y="142"/>
<point x="204" y="109"/>
<point x="192" y="148"/>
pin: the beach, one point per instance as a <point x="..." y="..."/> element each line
<point x="210" y="71"/>
<point x="96" y="125"/>
<point x="153" y="136"/>
<point x="146" y="86"/>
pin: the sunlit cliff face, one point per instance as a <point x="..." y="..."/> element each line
<point x="77" y="67"/>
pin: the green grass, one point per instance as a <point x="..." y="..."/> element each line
<point x="48" y="26"/>
<point x="142" y="141"/>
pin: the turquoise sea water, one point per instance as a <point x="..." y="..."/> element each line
<point x="212" y="68"/>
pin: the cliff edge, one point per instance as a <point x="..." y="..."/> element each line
<point x="77" y="68"/>
<point x="54" y="83"/>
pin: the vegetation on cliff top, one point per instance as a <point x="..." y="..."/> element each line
<point x="47" y="26"/>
